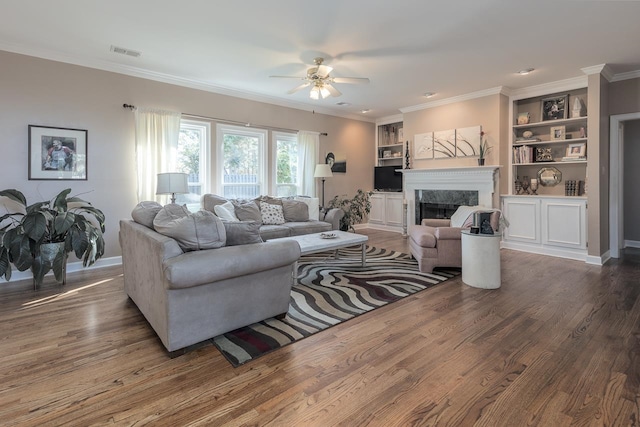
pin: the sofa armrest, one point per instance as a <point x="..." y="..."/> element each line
<point x="332" y="216"/>
<point x="433" y="222"/>
<point x="212" y="265"/>
<point x="448" y="233"/>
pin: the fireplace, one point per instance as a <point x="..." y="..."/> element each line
<point x="474" y="185"/>
<point x="441" y="204"/>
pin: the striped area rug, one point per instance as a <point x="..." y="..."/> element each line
<point x="328" y="292"/>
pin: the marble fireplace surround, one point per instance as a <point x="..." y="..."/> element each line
<point x="483" y="179"/>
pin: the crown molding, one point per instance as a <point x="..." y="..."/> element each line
<point x="389" y="119"/>
<point x="547" y="88"/>
<point x="603" y="69"/>
<point x="626" y="76"/>
<point x="191" y="83"/>
<point x="473" y="95"/>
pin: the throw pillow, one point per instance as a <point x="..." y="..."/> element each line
<point x="313" y="205"/>
<point x="210" y="201"/>
<point x="271" y="214"/>
<point x="145" y="212"/>
<point x="192" y="231"/>
<point x="226" y="211"/>
<point x="269" y="199"/>
<point x="247" y="211"/>
<point x="295" y="211"/>
<point x="242" y="232"/>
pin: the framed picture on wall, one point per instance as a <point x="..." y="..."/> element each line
<point x="57" y="153"/>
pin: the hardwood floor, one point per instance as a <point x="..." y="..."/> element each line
<point x="558" y="344"/>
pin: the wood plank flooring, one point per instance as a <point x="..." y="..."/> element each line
<point x="557" y="345"/>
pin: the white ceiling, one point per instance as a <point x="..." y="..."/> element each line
<point x="405" y="47"/>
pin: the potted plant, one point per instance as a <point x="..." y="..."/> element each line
<point x="40" y="236"/>
<point x="484" y="149"/>
<point x="355" y="209"/>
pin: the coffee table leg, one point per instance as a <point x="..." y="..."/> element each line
<point x="364" y="255"/>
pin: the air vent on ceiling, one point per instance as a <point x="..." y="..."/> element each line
<point x="343" y="104"/>
<point x="123" y="51"/>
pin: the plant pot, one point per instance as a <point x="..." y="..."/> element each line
<point x="480" y="162"/>
<point x="50" y="256"/>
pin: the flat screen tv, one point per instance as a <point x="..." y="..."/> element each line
<point x="385" y="178"/>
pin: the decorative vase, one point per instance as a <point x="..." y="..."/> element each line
<point x="480" y="162"/>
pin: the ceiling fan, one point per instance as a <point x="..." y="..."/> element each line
<point x="320" y="80"/>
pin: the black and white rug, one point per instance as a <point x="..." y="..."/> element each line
<point x="328" y="292"/>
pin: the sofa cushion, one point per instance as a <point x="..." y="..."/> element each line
<point x="247" y="211"/>
<point x="226" y="211"/>
<point x="192" y="231"/>
<point x="145" y="212"/>
<point x="307" y="227"/>
<point x="268" y="232"/>
<point x="209" y="201"/>
<point x="295" y="210"/>
<point x="313" y="205"/>
<point x="242" y="232"/>
<point x="271" y="214"/>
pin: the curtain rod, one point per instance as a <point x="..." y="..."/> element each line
<point x="234" y="122"/>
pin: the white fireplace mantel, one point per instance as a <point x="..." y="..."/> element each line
<point x="482" y="179"/>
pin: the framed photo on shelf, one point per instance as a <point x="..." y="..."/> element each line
<point x="57" y="153"/>
<point x="554" y="108"/>
<point x="557" y="133"/>
<point x="576" y="150"/>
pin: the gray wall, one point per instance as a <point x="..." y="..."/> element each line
<point x="631" y="159"/>
<point x="41" y="92"/>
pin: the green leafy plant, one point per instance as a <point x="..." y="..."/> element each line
<point x="355" y="209"/>
<point x="63" y="219"/>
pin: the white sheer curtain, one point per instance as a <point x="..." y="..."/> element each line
<point x="308" y="145"/>
<point x="157" y="135"/>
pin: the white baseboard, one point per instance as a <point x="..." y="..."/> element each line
<point x="72" y="267"/>
<point x="576" y="254"/>
<point x="631" y="244"/>
<point x="384" y="227"/>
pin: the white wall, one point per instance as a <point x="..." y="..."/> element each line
<point x="41" y="92"/>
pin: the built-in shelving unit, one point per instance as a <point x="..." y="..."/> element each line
<point x="553" y="219"/>
<point x="390" y="143"/>
<point x="542" y="144"/>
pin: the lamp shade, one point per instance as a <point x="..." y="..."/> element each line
<point x="172" y="183"/>
<point x="323" y="171"/>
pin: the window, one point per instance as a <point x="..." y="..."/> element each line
<point x="242" y="166"/>
<point x="286" y="164"/>
<point x="193" y="148"/>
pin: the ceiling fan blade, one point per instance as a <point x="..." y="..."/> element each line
<point x="287" y="77"/>
<point x="332" y="90"/>
<point x="350" y="80"/>
<point x="323" y="71"/>
<point x="302" y="86"/>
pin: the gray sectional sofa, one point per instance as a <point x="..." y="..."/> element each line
<point x="296" y="221"/>
<point x="194" y="276"/>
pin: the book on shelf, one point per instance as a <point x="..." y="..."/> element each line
<point x="523" y="154"/>
<point x="575" y="159"/>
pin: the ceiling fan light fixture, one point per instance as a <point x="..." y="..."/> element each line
<point x="324" y="92"/>
<point x="315" y="93"/>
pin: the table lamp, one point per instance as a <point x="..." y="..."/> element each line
<point x="172" y="183"/>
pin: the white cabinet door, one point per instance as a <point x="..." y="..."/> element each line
<point x="376" y="214"/>
<point x="564" y="223"/>
<point x="393" y="209"/>
<point x="523" y="215"/>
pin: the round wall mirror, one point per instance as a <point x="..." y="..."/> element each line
<point x="549" y="177"/>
